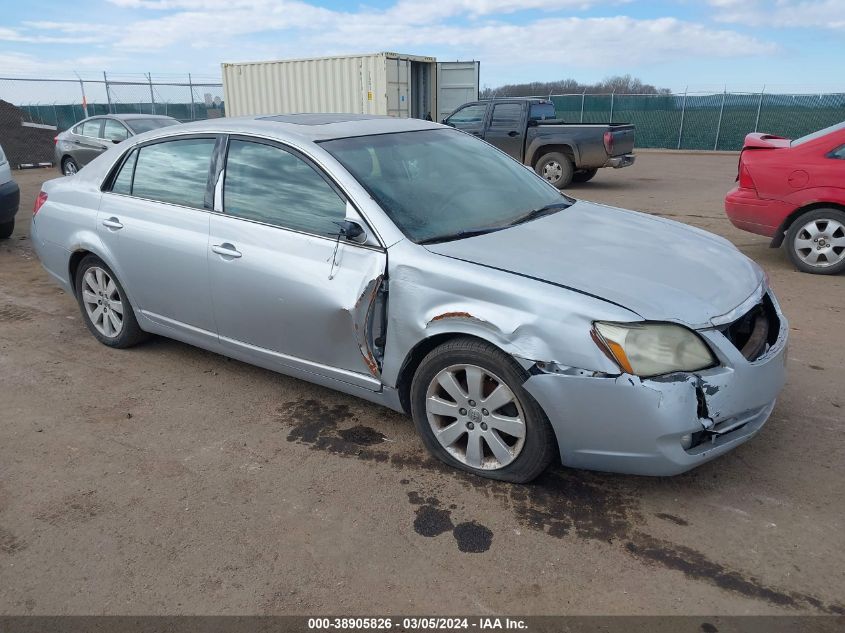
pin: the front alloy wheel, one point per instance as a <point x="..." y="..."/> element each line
<point x="472" y="412"/>
<point x="475" y="417"/>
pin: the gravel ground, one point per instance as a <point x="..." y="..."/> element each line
<point x="169" y="480"/>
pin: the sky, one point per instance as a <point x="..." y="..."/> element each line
<point x="700" y="45"/>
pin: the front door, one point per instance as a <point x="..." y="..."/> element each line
<point x="506" y="129"/>
<point x="282" y="284"/>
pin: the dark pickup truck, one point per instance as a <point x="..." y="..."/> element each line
<point x="526" y="128"/>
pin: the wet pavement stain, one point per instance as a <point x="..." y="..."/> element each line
<point x="472" y="537"/>
<point x="431" y="521"/>
<point x="362" y="435"/>
<point x="560" y="503"/>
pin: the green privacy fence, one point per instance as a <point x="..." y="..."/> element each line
<point x="64" y="116"/>
<point x="63" y="102"/>
<point x="705" y="121"/>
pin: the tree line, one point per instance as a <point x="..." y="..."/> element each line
<point x="619" y="84"/>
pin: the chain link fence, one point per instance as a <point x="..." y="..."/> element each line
<point x="34" y="110"/>
<point x="705" y="121"/>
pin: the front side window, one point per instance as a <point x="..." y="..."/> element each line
<point x="174" y="171"/>
<point x="270" y="185"/>
<point x="506" y="115"/>
<point x="114" y="131"/>
<point x="442" y="184"/>
<point x="470" y="116"/>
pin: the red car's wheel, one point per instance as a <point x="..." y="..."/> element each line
<point x="816" y="241"/>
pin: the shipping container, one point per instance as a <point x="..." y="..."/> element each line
<point x="379" y="83"/>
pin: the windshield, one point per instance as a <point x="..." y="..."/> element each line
<point x="145" y="125"/>
<point x="438" y="185"/>
<point x="819" y="134"/>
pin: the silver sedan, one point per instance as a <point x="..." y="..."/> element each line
<point x="417" y="267"/>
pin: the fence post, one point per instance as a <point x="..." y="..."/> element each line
<point x="108" y="94"/>
<point x="56" y="115"/>
<point x="683" y="112"/>
<point x="759" y="105"/>
<point x="583" y="94"/>
<point x="611" y="106"/>
<point x="191" y="89"/>
<point x="719" y="124"/>
<point x="152" y="98"/>
<point x="84" y="100"/>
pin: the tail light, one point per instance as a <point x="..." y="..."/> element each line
<point x="39" y="202"/>
<point x="744" y="176"/>
<point x="56" y="139"/>
<point x="608" y="143"/>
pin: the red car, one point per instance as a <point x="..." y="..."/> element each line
<point x="795" y="190"/>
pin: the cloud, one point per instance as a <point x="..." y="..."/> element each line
<point x="436" y="29"/>
<point x="827" y="14"/>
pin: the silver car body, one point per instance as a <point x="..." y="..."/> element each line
<point x="356" y="320"/>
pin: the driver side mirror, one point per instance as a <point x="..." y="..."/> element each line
<point x="352" y="231"/>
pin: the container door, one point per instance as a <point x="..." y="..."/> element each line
<point x="457" y="84"/>
<point x="398" y="82"/>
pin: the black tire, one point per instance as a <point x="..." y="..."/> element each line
<point x="823" y="218"/>
<point x="6" y="229"/>
<point x="557" y="168"/>
<point x="130" y="333"/>
<point x="539" y="447"/>
<point x="67" y="163"/>
<point x="584" y="175"/>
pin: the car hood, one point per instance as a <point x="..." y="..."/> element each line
<point x="660" y="269"/>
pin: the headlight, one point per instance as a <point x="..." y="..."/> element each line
<point x="650" y="349"/>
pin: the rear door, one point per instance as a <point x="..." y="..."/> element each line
<point x="506" y="129"/>
<point x="457" y="83"/>
<point x="87" y="141"/>
<point x="155" y="221"/>
<point x="284" y="287"/>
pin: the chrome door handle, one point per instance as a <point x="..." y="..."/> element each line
<point x="226" y="250"/>
<point x="112" y="223"/>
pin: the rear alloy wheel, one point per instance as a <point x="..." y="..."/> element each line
<point x="816" y="242"/>
<point x="557" y="168"/>
<point x="69" y="166"/>
<point x="472" y="412"/>
<point x="105" y="308"/>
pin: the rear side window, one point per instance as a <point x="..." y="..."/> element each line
<point x="91" y="128"/>
<point x="541" y="111"/>
<point x="506" y="115"/>
<point x="114" y="131"/>
<point x="123" y="180"/>
<point x="173" y="171"/>
<point x="270" y="185"/>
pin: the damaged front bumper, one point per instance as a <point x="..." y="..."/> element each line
<point x="641" y="426"/>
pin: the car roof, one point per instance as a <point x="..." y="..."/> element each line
<point x="306" y="127"/>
